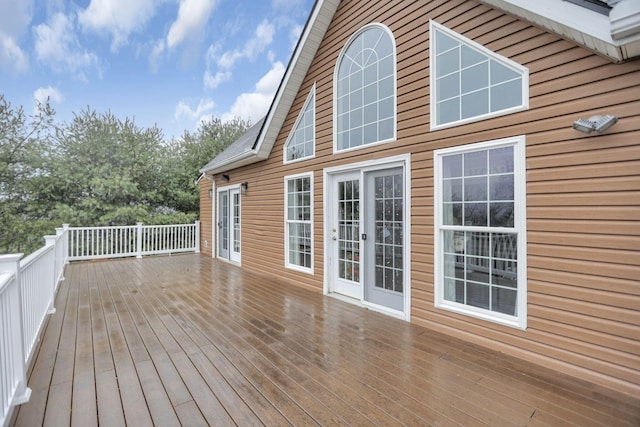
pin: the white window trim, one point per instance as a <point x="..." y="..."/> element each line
<point x="519" y="321"/>
<point x="524" y="71"/>
<point x="336" y="150"/>
<point x="312" y="93"/>
<point x="287" y="265"/>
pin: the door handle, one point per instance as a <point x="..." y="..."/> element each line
<point x="334" y="238"/>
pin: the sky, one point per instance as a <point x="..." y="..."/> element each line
<point x="170" y="63"/>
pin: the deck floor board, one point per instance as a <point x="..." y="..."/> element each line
<point x="187" y="340"/>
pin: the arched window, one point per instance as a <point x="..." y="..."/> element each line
<point x="365" y="89"/>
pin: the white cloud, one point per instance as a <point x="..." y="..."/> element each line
<point x="263" y="38"/>
<point x="156" y="55"/>
<point x="184" y="112"/>
<point x="192" y="19"/>
<point x="42" y="94"/>
<point x="256" y="45"/>
<point x="15" y="17"/>
<point x="294" y="34"/>
<point x="57" y="45"/>
<point x="12" y="57"/>
<point x="51" y="93"/>
<point x="212" y="81"/>
<point x="254" y="105"/>
<point x="118" y="17"/>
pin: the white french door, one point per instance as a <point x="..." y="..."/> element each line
<point x="366" y="239"/>
<point x="345" y="235"/>
<point x="384" y="233"/>
<point x="229" y="224"/>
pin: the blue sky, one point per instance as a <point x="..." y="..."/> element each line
<point x="167" y="62"/>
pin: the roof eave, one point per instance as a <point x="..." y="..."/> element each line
<point x="616" y="36"/>
<point x="242" y="159"/>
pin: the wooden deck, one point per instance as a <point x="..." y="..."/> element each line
<point x="186" y="340"/>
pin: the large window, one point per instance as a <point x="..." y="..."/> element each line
<point x="298" y="222"/>
<point x="301" y="142"/>
<point x="470" y="83"/>
<point x="480" y="230"/>
<point x="365" y="90"/>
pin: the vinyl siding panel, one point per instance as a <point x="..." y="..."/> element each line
<point x="206" y="217"/>
<point x="583" y="192"/>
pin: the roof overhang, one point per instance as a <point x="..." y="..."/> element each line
<point x="241" y="159"/>
<point x="616" y="36"/>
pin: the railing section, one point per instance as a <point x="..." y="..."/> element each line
<point x="135" y="240"/>
<point x="27" y="293"/>
<point x="28" y="287"/>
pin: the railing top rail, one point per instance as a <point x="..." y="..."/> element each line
<point x="5" y="279"/>
<point x="108" y="227"/>
<point x="36" y="256"/>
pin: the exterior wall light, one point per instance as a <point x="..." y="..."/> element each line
<point x="225" y="177"/>
<point x="598" y="123"/>
<point x="210" y="193"/>
<point x="243" y="188"/>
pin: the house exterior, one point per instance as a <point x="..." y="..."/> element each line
<point x="420" y="159"/>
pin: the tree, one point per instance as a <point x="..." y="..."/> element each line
<point x="190" y="153"/>
<point x="24" y="143"/>
<point x="106" y="170"/>
<point x="97" y="170"/>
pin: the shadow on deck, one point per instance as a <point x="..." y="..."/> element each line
<point x="187" y="340"/>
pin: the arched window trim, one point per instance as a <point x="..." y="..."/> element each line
<point x="310" y="97"/>
<point x="521" y="69"/>
<point x="346" y="46"/>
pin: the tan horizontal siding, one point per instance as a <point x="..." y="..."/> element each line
<point x="206" y="218"/>
<point x="583" y="192"/>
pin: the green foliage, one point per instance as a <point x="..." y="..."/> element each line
<point x="107" y="170"/>
<point x="97" y="170"/>
<point x="24" y="140"/>
<point x="190" y="153"/>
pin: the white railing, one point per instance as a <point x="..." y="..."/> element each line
<point x="27" y="293"/>
<point x="134" y="240"/>
<point x="28" y="288"/>
<point x="496" y="254"/>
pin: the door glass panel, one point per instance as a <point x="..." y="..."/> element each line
<point x="236" y="222"/>
<point x="348" y="230"/>
<point x="389" y="239"/>
<point x="224" y="221"/>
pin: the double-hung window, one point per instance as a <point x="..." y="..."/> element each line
<point x="471" y="83"/>
<point x="480" y="230"/>
<point x="365" y="90"/>
<point x="301" y="142"/>
<point x="298" y="222"/>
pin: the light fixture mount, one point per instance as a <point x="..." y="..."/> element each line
<point x="599" y="124"/>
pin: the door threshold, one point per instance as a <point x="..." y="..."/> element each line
<point x="346" y="298"/>
<point x="369" y="306"/>
<point x="386" y="310"/>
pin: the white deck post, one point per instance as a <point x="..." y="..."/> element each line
<point x="197" y="236"/>
<point x="51" y="279"/>
<point x="11" y="264"/>
<point x="65" y="230"/>
<point x="139" y="240"/>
